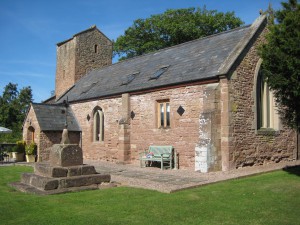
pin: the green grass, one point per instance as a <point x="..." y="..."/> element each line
<point x="272" y="198"/>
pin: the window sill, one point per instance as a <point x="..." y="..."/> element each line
<point x="98" y="142"/>
<point x="268" y="132"/>
<point x="164" y="128"/>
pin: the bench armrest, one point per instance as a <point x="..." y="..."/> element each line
<point x="166" y="155"/>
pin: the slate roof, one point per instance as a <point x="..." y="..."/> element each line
<point x="197" y="60"/>
<point x="53" y="117"/>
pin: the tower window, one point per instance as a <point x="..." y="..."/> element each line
<point x="96" y="48"/>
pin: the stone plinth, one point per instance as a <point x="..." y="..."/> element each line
<point x="64" y="173"/>
<point x="48" y="183"/>
<point x="65" y="155"/>
<point x="45" y="169"/>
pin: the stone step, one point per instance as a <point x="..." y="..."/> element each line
<point x="51" y="183"/>
<point x="45" y="169"/>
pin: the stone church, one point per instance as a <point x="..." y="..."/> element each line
<point x="207" y="98"/>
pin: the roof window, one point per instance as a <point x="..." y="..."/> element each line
<point x="159" y="72"/>
<point x="85" y="89"/>
<point x="127" y="79"/>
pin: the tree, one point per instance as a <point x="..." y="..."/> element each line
<point x="281" y="61"/>
<point x="13" y="108"/>
<point x="171" y="28"/>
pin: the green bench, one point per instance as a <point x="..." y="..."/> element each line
<point x="162" y="154"/>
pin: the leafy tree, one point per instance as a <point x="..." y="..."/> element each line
<point x="281" y="61"/>
<point x="13" y="108"/>
<point x="171" y="28"/>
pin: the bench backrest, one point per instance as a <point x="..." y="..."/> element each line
<point x="158" y="150"/>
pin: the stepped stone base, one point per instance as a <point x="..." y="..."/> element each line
<point x="49" y="183"/>
<point x="31" y="189"/>
<point x="45" y="169"/>
<point x="64" y="173"/>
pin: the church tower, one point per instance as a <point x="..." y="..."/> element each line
<point x="87" y="50"/>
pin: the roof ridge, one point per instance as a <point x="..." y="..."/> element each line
<point x="184" y="43"/>
<point x="233" y="37"/>
<point x="46" y="104"/>
<point x="93" y="27"/>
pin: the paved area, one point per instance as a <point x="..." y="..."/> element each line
<point x="169" y="181"/>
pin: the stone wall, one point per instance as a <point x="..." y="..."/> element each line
<point x="31" y="122"/>
<point x="44" y="139"/>
<point x="76" y="57"/>
<point x="208" y="149"/>
<point x="250" y="147"/>
<point x="106" y="150"/>
<point x="184" y="131"/>
<point x="49" y="138"/>
<point x="65" y="67"/>
<point x="141" y="130"/>
<point x="86" y="57"/>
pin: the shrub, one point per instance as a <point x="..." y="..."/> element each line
<point x="20" y="147"/>
<point x="31" y="149"/>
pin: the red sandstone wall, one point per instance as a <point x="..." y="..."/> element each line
<point x="31" y="120"/>
<point x="108" y="149"/>
<point x="184" y="130"/>
<point x="247" y="146"/>
<point x="183" y="133"/>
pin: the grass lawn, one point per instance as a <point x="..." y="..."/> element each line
<point x="272" y="198"/>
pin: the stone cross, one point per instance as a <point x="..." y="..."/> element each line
<point x="65" y="136"/>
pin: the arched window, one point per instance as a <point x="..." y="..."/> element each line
<point x="98" y="125"/>
<point x="267" y="115"/>
<point x="30" y="135"/>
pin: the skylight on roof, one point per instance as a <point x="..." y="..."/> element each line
<point x="159" y="72"/>
<point x="127" y="79"/>
<point x="85" y="89"/>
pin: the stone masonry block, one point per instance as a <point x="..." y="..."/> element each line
<point x="66" y="155"/>
<point x="86" y="170"/>
<point x="84" y="180"/>
<point x="40" y="182"/>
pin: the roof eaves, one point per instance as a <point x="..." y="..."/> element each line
<point x="149" y="89"/>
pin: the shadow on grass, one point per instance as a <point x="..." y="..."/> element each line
<point x="292" y="170"/>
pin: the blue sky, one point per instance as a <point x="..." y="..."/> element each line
<point x="30" y="30"/>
